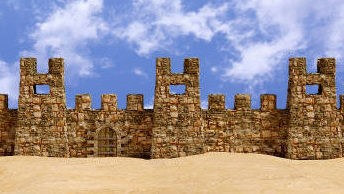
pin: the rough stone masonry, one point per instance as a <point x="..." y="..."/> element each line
<point x="311" y="126"/>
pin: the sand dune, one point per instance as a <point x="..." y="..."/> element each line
<point x="207" y="173"/>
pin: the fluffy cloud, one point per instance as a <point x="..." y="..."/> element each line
<point x="9" y="81"/>
<point x="66" y="32"/>
<point x="334" y="43"/>
<point x="261" y="33"/>
<point x="277" y="30"/>
<point x="281" y="28"/>
<point x="139" y="72"/>
<point x="154" y="25"/>
<point x="259" y="59"/>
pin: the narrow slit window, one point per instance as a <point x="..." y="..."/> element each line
<point x="42" y="89"/>
<point x="314" y="89"/>
<point x="177" y="89"/>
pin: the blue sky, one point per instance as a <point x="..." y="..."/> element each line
<point x="111" y="46"/>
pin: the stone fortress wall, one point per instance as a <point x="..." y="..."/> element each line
<point x="311" y="126"/>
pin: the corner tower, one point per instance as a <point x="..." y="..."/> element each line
<point x="41" y="127"/>
<point x="314" y="132"/>
<point x="177" y="117"/>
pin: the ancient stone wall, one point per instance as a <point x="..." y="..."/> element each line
<point x="311" y="127"/>
<point x="132" y="127"/>
<point x="8" y="120"/>
<point x="243" y="129"/>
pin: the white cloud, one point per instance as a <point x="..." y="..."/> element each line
<point x="258" y="60"/>
<point x="140" y="72"/>
<point x="279" y="28"/>
<point x="9" y="81"/>
<point x="153" y="25"/>
<point x="335" y="42"/>
<point x="277" y="24"/>
<point x="66" y="33"/>
<point x="260" y="33"/>
<point x="105" y="63"/>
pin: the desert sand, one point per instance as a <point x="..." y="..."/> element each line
<point x="206" y="173"/>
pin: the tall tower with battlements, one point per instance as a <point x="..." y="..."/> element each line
<point x="41" y="126"/>
<point x="177" y="128"/>
<point x="314" y="129"/>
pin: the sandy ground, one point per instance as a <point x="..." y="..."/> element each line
<point x="206" y="173"/>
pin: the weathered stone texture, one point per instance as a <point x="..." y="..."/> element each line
<point x="177" y="128"/>
<point x="41" y="127"/>
<point x="314" y="130"/>
<point x="311" y="127"/>
<point x="8" y="120"/>
<point x="132" y="128"/>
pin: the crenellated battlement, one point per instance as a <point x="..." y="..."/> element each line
<point x="163" y="66"/>
<point x="268" y="102"/>
<point x="30" y="78"/>
<point x="135" y="102"/>
<point x="109" y="102"/>
<point x="83" y="102"/>
<point x="28" y="66"/>
<point x="242" y="102"/>
<point x="216" y="102"/>
<point x="311" y="126"/>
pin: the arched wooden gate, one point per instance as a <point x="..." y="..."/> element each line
<point x="106" y="142"/>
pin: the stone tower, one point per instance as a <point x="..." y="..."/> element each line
<point x="314" y="132"/>
<point x="41" y="126"/>
<point x="177" y="125"/>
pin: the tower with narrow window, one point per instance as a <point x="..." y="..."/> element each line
<point x="41" y="125"/>
<point x="177" y="129"/>
<point x="314" y="129"/>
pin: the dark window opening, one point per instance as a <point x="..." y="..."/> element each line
<point x="41" y="89"/>
<point x="314" y="89"/>
<point x="177" y="89"/>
